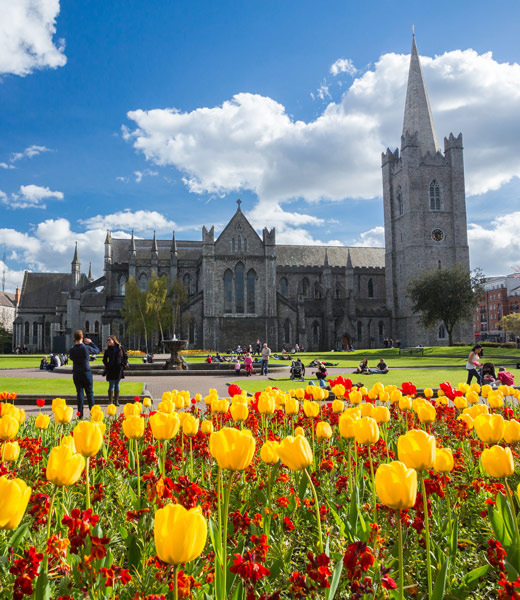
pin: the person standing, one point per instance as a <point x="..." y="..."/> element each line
<point x="81" y="373"/>
<point x="473" y="364"/>
<point x="115" y="360"/>
<point x="265" y="354"/>
<point x="248" y="364"/>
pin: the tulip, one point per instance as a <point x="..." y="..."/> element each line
<point x="58" y="402"/>
<point x="147" y="402"/>
<point x="384" y="397"/>
<point x="295" y="452"/>
<point x="498" y="462"/>
<point x="460" y="402"/>
<point x="366" y="431"/>
<point x="292" y="406"/>
<point x="42" y="421"/>
<point x="8" y="427"/>
<point x="63" y="414"/>
<point x="206" y="426"/>
<point x="190" y="425"/>
<point x="133" y="426"/>
<point x="180" y="534"/>
<point x="396" y="485"/>
<point x="366" y="409"/>
<point x="300" y="394"/>
<point x="396" y="396"/>
<point x="443" y="460"/>
<point x="311" y="409"/>
<point x="467" y="419"/>
<point x="269" y="453"/>
<point x="405" y="403"/>
<point x="338" y="405"/>
<point x="14" y="497"/>
<point x="10" y="451"/>
<point x="165" y="426"/>
<point x="111" y="410"/>
<point x="68" y="441"/>
<point x="239" y="411"/>
<point x="426" y="413"/>
<point x="495" y="399"/>
<point x="299" y="431"/>
<point x="88" y="438"/>
<point x="97" y="416"/>
<point x="338" y="390"/>
<point x="416" y="449"/>
<point x="428" y="393"/>
<point x="489" y="428"/>
<point x="64" y="467"/>
<point x="512" y="432"/>
<point x="346" y="426"/>
<point x="131" y="410"/>
<point x="355" y="396"/>
<point x="266" y="404"/>
<point x="472" y="397"/>
<point x="232" y="449"/>
<point x="323" y="431"/>
<point x="381" y="414"/>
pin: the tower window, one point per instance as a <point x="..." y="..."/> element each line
<point x="435" y="196"/>
<point x="239" y="288"/>
<point x="283" y="286"/>
<point x="370" y="288"/>
<point x="400" y="209"/>
<point x="251" y="291"/>
<point x="228" y="291"/>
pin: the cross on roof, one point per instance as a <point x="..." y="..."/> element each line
<point x="239" y="202"/>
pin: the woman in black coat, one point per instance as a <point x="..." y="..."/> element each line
<point x="114" y="361"/>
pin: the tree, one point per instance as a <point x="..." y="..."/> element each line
<point x="6" y="339"/>
<point x="510" y="323"/>
<point x="447" y="295"/>
<point x="134" y="311"/>
<point x="156" y="303"/>
<point x="178" y="297"/>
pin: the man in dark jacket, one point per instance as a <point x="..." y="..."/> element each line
<point x="81" y="373"/>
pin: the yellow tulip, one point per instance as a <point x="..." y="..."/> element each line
<point x="384" y="397"/>
<point x="63" y="414"/>
<point x="88" y="437"/>
<point x="111" y="410"/>
<point x="133" y="427"/>
<point x="58" y="402"/>
<point x="396" y="485"/>
<point x="131" y="410"/>
<point x="138" y="407"/>
<point x="476" y="410"/>
<point x="467" y="419"/>
<point x="269" y="453"/>
<point x="366" y="409"/>
<point x="428" y="393"/>
<point x="416" y="402"/>
<point x="346" y="426"/>
<point x="180" y="535"/>
<point x="232" y="449"/>
<point x="97" y="416"/>
<point x="147" y="402"/>
<point x="426" y="413"/>
<point x="498" y="462"/>
<point x="338" y="406"/>
<point x="190" y="425"/>
<point x="10" y="451"/>
<point x="65" y="466"/>
<point x="8" y="427"/>
<point x="355" y="396"/>
<point x="512" y="432"/>
<point x="323" y="430"/>
<point x="472" y="397"/>
<point x="14" y="497"/>
<point x="266" y="404"/>
<point x="405" y="403"/>
<point x="300" y="393"/>
<point x="295" y="452"/>
<point x="311" y="409"/>
<point x="68" y="441"/>
<point x="239" y="411"/>
<point x="42" y="421"/>
<point x="338" y="390"/>
<point x="299" y="431"/>
<point x="396" y="396"/>
<point x="443" y="460"/>
<point x="366" y="431"/>
<point x="292" y="406"/>
<point x="166" y="406"/>
<point x="381" y="414"/>
<point x="417" y="450"/>
<point x="165" y="426"/>
<point x="489" y="428"/>
<point x="495" y="399"/>
<point x="206" y="426"/>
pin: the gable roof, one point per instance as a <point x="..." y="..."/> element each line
<point x="239" y="217"/>
<point x="44" y="290"/>
<point x="337" y="256"/>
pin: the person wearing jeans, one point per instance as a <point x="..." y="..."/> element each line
<point x="114" y="361"/>
<point x="265" y="354"/>
<point x="473" y="364"/>
<point x="81" y="373"/>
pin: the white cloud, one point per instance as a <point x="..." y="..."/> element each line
<point x="373" y="238"/>
<point x="29" y="196"/>
<point x="27" y="28"/>
<point x="139" y="221"/>
<point x="4" y="165"/>
<point x="343" y="65"/>
<point x="29" y="152"/>
<point x="251" y="143"/>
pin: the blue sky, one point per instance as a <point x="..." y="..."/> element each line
<point x="158" y="115"/>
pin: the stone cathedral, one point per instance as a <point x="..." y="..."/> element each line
<point x="243" y="286"/>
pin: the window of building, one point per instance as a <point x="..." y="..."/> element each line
<point x="186" y="280"/>
<point x="122" y="285"/>
<point x="435" y="196"/>
<point x="316" y="333"/>
<point x="317" y="290"/>
<point x="283" y="287"/>
<point x="305" y="286"/>
<point x="251" y="291"/>
<point x="400" y="209"/>
<point x="96" y="327"/>
<point x="359" y="332"/>
<point x="228" y="291"/>
<point x="338" y="291"/>
<point x="233" y="245"/>
<point x="87" y="326"/>
<point x="442" y="331"/>
<point x="35" y="329"/>
<point x="287" y="332"/>
<point x="191" y="331"/>
<point x="370" y="288"/>
<point x="239" y="243"/>
<point x="239" y="288"/>
<point x="381" y="329"/>
<point x="47" y="329"/>
<point x="26" y="329"/>
<point x="143" y="282"/>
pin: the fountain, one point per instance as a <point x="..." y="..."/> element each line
<point x="174" y="346"/>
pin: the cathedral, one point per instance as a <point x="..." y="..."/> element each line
<point x="243" y="286"/>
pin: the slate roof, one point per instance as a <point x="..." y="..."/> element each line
<point x="7" y="299"/>
<point x="44" y="290"/>
<point x="185" y="249"/>
<point x="314" y="256"/>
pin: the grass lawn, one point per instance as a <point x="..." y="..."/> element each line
<point x="57" y="387"/>
<point x="420" y="377"/>
<point x="27" y="361"/>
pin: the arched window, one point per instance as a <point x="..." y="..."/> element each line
<point x="191" y="331"/>
<point x="283" y="287"/>
<point x="316" y="333"/>
<point x="87" y="326"/>
<point x="239" y="288"/>
<point x="338" y="290"/>
<point x="439" y="266"/>
<point x="122" y="285"/>
<point x="35" y="329"/>
<point x="317" y="290"/>
<point x="359" y="332"/>
<point x="26" y="329"/>
<point x="240" y="243"/>
<point x="370" y="288"/>
<point x="381" y="329"/>
<point x="228" y="291"/>
<point x="47" y="329"/>
<point x="186" y="280"/>
<point x="442" y="332"/>
<point x="435" y="196"/>
<point x="251" y="291"/>
<point x="233" y="245"/>
<point x="305" y="286"/>
<point x="143" y="282"/>
<point x="96" y="327"/>
<point x="287" y="332"/>
<point x="400" y="209"/>
<point x="245" y="245"/>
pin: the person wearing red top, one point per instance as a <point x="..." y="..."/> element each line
<point x="505" y="377"/>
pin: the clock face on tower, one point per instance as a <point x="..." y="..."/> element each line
<point x="437" y="235"/>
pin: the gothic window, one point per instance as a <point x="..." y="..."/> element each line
<point x="239" y="288"/>
<point x="228" y="291"/>
<point x="283" y="287"/>
<point x="87" y="326"/>
<point x="338" y="291"/>
<point x="96" y="327"/>
<point x="233" y="245"/>
<point x="143" y="282"/>
<point x="251" y="291"/>
<point x="439" y="265"/>
<point x="381" y="329"/>
<point x="305" y="286"/>
<point x="287" y="332"/>
<point x="240" y="243"/>
<point x="47" y="329"/>
<point x="370" y="288"/>
<point x="399" y="201"/>
<point x="26" y="329"/>
<point x="359" y="332"/>
<point x="316" y="333"/>
<point x="435" y="196"/>
<point x="191" y="332"/>
<point x="186" y="280"/>
<point x="442" y="332"/>
<point x="245" y="245"/>
<point x="317" y="290"/>
<point x="35" y="329"/>
<point x="122" y="285"/>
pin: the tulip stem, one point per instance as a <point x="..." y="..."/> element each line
<point x="138" y="469"/>
<point x="427" y="535"/>
<point x="175" y="582"/>
<point x="318" y="517"/>
<point x="373" y="483"/>
<point x="400" y="545"/>
<point x="87" y="471"/>
<point x="227" y="494"/>
<point x="350" y="466"/>
<point x="49" y="519"/>
<point x="163" y="462"/>
<point x="191" y="459"/>
<point x="515" y="520"/>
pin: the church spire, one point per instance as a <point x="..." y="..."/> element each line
<point x="75" y="259"/>
<point x="90" y="276"/>
<point x="155" y="249"/>
<point x="417" y="113"/>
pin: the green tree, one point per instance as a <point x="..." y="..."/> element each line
<point x="6" y="339"/>
<point x="447" y="295"/>
<point x="134" y="312"/>
<point x="156" y="303"/>
<point x="510" y="323"/>
<point x="178" y="297"/>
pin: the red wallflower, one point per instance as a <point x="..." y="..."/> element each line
<point x="318" y="569"/>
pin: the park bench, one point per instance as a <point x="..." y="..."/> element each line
<point x="411" y="351"/>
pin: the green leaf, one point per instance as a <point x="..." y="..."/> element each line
<point x="454" y="537"/>
<point x="499" y="527"/>
<point x="507" y="515"/>
<point x="339" y="521"/>
<point x="302" y="488"/>
<point x="327" y="546"/>
<point x="238" y="592"/>
<point x="134" y="551"/>
<point x="19" y="536"/>
<point x="215" y="539"/>
<point x="511" y="571"/>
<point x="275" y="568"/>
<point x="470" y="580"/>
<point x="440" y="581"/>
<point x="123" y="532"/>
<point x="42" y="591"/>
<point x="334" y="582"/>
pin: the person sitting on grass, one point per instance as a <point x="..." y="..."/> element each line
<point x="363" y="367"/>
<point x="381" y="368"/>
<point x="505" y="377"/>
<point x="322" y="374"/>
